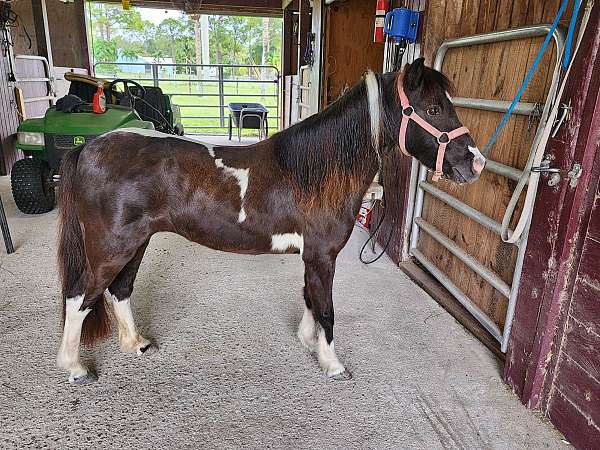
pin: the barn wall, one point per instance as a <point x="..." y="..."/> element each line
<point x="349" y="48"/>
<point x="68" y="34"/>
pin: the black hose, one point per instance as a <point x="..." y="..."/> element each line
<point x="372" y="235"/>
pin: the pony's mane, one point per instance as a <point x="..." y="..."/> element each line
<point x="332" y="143"/>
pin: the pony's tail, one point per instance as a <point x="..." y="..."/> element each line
<point x="71" y="254"/>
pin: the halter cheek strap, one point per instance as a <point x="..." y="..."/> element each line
<point x="443" y="137"/>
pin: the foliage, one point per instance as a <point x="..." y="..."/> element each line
<point x="232" y="39"/>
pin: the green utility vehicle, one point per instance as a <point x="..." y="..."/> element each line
<point x="45" y="140"/>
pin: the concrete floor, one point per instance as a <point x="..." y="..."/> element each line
<point x="230" y="372"/>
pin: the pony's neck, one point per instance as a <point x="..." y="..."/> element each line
<point x="331" y="154"/>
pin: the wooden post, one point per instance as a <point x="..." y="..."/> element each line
<point x="304" y="26"/>
<point x="42" y="31"/>
<point x="286" y="45"/>
<point x="553" y="250"/>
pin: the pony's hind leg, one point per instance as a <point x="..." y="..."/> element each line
<point x="120" y="293"/>
<point x="86" y="318"/>
<point x="68" y="355"/>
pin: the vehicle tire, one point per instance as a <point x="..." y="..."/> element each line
<point x="32" y="186"/>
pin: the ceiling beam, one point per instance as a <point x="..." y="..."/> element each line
<point x="233" y="7"/>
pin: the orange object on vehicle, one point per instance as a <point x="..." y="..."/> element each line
<point x="99" y="104"/>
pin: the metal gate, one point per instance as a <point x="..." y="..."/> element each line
<point x="420" y="186"/>
<point x="203" y="91"/>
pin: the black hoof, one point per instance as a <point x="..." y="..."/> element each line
<point x="148" y="349"/>
<point x="88" y="378"/>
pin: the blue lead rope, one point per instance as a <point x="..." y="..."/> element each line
<point x="572" y="23"/>
<point x="511" y="108"/>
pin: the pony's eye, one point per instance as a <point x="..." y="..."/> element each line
<point x="433" y="110"/>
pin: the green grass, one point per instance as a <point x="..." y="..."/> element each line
<point x="204" y="100"/>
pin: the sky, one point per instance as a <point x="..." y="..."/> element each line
<point x="156" y="16"/>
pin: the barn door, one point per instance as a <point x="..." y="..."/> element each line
<point x="456" y="229"/>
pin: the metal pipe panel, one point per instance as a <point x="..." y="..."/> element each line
<point x="460" y="295"/>
<point x="501" y="106"/>
<point x="499" y="36"/>
<point x="461" y="207"/>
<point x="504" y="170"/>
<point x="471" y="262"/>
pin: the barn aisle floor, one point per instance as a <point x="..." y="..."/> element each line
<point x="230" y="372"/>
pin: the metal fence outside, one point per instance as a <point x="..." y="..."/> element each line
<point x="204" y="91"/>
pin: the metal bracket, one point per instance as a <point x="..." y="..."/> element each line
<point x="565" y="114"/>
<point x="574" y="174"/>
<point x="555" y="174"/>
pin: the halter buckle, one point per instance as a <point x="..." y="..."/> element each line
<point x="408" y="111"/>
<point x="443" y="138"/>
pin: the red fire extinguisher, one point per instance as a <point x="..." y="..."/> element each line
<point x="380" y="11"/>
<point x="99" y="103"/>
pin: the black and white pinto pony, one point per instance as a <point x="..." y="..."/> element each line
<point x="298" y="191"/>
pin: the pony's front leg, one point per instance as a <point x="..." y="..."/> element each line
<point x="320" y="269"/>
<point x="68" y="355"/>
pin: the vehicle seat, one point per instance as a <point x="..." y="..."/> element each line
<point x="153" y="107"/>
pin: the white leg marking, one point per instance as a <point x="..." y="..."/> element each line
<point x="210" y="150"/>
<point x="307" y="330"/>
<point x="478" y="160"/>
<point x="68" y="355"/>
<point x="327" y="358"/>
<point x="374" y="108"/>
<point x="281" y="242"/>
<point x="129" y="339"/>
<point x="242" y="176"/>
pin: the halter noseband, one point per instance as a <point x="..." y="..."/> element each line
<point x="443" y="137"/>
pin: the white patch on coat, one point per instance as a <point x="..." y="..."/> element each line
<point x="129" y="339"/>
<point x="68" y="355"/>
<point x="478" y="159"/>
<point x="281" y="242"/>
<point x="373" y="98"/>
<point x="242" y="176"/>
<point x="328" y="360"/>
<point x="158" y="134"/>
<point x="306" y="330"/>
<point x="448" y="95"/>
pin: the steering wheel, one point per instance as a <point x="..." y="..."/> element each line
<point x="141" y="91"/>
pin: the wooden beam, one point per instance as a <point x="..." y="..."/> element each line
<point x="287" y="42"/>
<point x="304" y="27"/>
<point x="235" y="7"/>
<point x="42" y="31"/>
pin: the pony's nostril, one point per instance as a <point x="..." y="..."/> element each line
<point x="478" y="160"/>
<point x="478" y="164"/>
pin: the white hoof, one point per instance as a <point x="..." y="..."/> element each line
<point x="336" y="368"/>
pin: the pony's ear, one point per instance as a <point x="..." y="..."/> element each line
<point x="414" y="74"/>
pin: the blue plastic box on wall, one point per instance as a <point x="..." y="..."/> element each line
<point x="402" y="23"/>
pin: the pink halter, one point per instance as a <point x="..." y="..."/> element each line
<point x="443" y="137"/>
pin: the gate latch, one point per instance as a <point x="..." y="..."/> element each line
<point x="554" y="174"/>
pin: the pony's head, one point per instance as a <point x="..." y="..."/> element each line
<point x="419" y="118"/>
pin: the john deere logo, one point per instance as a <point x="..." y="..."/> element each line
<point x="78" y="140"/>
